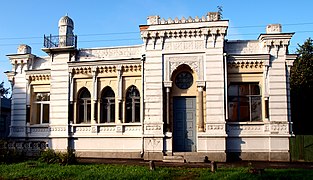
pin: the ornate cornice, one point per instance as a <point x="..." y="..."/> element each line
<point x="105" y="69"/>
<point x="39" y="77"/>
<point x="248" y="61"/>
<point x="184" y="33"/>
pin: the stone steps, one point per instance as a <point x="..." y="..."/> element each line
<point x="182" y="157"/>
<point x="174" y="159"/>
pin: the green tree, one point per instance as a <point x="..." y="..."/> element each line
<point x="3" y="91"/>
<point x="302" y="70"/>
<point x="301" y="83"/>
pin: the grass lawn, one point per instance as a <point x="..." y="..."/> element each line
<point x="38" y="170"/>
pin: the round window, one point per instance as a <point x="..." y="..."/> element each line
<point x="184" y="80"/>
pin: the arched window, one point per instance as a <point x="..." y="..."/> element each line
<point x="84" y="106"/>
<point x="107" y="113"/>
<point x="132" y="108"/>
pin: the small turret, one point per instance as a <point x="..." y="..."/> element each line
<point x="66" y="35"/>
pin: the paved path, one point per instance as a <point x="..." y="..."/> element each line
<point x="254" y="164"/>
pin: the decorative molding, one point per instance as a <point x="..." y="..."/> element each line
<point x="245" y="64"/>
<point x="105" y="53"/>
<point x="107" y="129"/>
<point x="185" y="45"/>
<point x="194" y="62"/>
<point x="57" y="128"/>
<point x="184" y="33"/>
<point x="105" y="69"/>
<point x="167" y="84"/>
<point x="39" y="77"/>
<point x="200" y="83"/>
<point x="82" y="70"/>
<point x="132" y="128"/>
<point x="248" y="61"/>
<point x="153" y="128"/>
<point x="215" y="127"/>
<point x="131" y="68"/>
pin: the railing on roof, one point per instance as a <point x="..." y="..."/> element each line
<point x="60" y="41"/>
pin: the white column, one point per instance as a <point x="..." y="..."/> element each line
<point x="94" y="95"/>
<point x="167" y="85"/>
<point x="119" y="93"/>
<point x="200" y="85"/>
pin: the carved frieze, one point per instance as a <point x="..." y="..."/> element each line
<point x="106" y="53"/>
<point x="187" y="45"/>
<point x="132" y="128"/>
<point x="192" y="61"/>
<point x="58" y="128"/>
<point x="107" y="129"/>
<point x="39" y="77"/>
<point x="105" y="69"/>
<point x="153" y="128"/>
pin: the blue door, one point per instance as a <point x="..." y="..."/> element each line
<point x="184" y="124"/>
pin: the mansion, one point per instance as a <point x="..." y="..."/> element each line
<point x="186" y="94"/>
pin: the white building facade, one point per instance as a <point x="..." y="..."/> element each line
<point x="186" y="93"/>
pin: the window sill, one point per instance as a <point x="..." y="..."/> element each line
<point x="249" y="123"/>
<point x="39" y="125"/>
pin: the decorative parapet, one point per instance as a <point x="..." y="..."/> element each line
<point x="211" y="16"/>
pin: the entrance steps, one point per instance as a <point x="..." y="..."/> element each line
<point x="174" y="159"/>
<point x="182" y="157"/>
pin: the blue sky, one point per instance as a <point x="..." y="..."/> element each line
<point x="115" y="23"/>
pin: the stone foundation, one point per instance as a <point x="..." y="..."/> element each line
<point x="258" y="156"/>
<point x="120" y="155"/>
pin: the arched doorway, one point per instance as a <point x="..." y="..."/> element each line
<point x="184" y="118"/>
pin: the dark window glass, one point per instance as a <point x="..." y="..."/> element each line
<point x="132" y="108"/>
<point x="84" y="106"/>
<point x="244" y="102"/>
<point x="184" y="80"/>
<point x="107" y="106"/>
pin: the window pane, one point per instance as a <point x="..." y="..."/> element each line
<point x="112" y="112"/>
<point x="233" y="111"/>
<point x="233" y="90"/>
<point x="243" y="89"/>
<point x="254" y="89"/>
<point x="137" y="112"/>
<point x="267" y="115"/>
<point x="81" y="113"/>
<point x="104" y="111"/>
<point x="128" y="115"/>
<point x="45" y="115"/>
<point x="38" y="113"/>
<point x="88" y="115"/>
<point x="256" y="109"/>
<point x="244" y="109"/>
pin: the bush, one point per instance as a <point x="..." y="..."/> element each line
<point x="9" y="155"/>
<point x="63" y="158"/>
